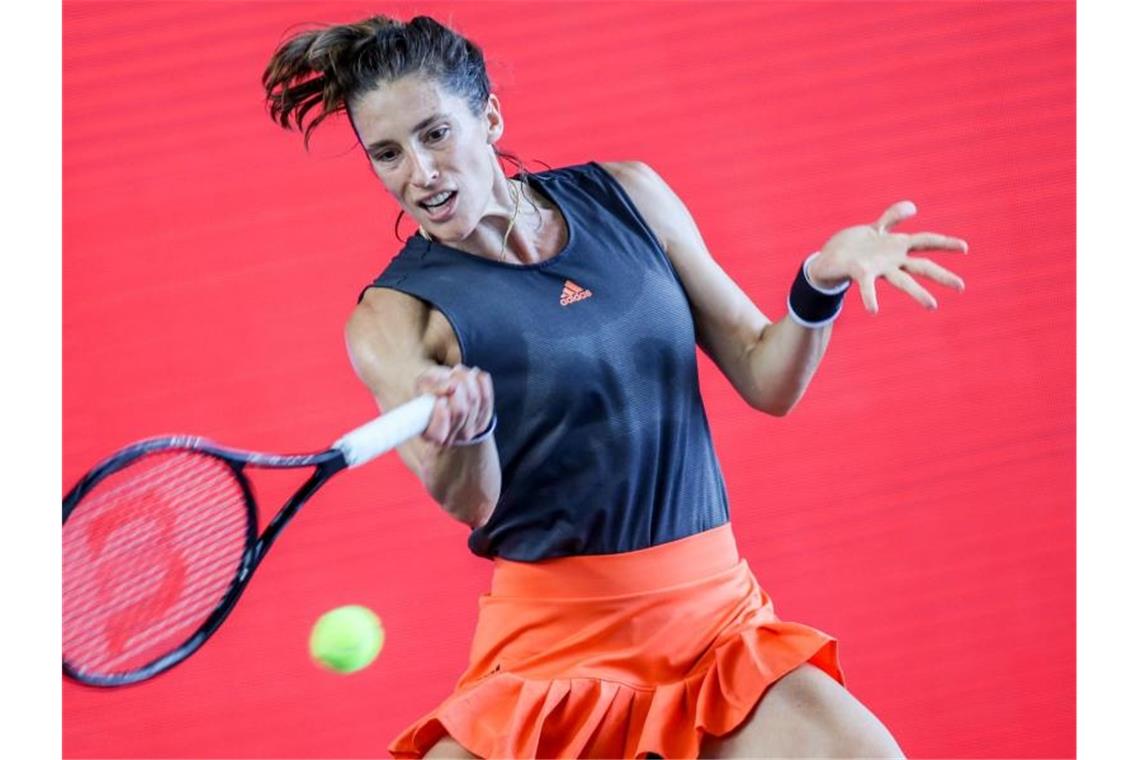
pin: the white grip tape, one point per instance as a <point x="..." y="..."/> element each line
<point x="387" y="431"/>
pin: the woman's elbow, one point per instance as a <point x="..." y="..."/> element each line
<point x="778" y="411"/>
<point x="773" y="406"/>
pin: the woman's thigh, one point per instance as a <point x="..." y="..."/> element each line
<point x="448" y="748"/>
<point x="807" y="713"/>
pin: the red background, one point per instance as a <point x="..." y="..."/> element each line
<point x="918" y="504"/>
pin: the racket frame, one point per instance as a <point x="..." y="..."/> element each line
<point x="327" y="464"/>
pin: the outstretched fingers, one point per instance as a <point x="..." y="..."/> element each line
<point x="908" y="284"/>
<point x="895" y="214"/>
<point x="929" y="241"/>
<point x="867" y="291"/>
<point x="939" y="274"/>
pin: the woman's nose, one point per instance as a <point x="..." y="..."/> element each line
<point x="424" y="170"/>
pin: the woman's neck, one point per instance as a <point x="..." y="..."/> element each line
<point x="513" y="229"/>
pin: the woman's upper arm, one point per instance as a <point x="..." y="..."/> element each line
<point x="728" y="324"/>
<point x="386" y="339"/>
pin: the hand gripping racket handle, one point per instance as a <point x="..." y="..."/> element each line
<point x="387" y="431"/>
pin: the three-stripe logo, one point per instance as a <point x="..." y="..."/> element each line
<point x="571" y="292"/>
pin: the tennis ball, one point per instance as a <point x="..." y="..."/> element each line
<point x="346" y="639"/>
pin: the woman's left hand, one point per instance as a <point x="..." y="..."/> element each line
<point x="867" y="252"/>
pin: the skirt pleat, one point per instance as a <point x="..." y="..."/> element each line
<point x="619" y="655"/>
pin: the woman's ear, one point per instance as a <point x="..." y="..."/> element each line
<point x="494" y="117"/>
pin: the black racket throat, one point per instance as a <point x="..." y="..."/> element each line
<point x="160" y="541"/>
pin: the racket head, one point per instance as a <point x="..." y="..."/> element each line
<point x="158" y="542"/>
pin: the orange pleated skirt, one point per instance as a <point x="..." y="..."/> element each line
<point x="619" y="655"/>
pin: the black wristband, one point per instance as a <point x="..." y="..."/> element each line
<point x="811" y="306"/>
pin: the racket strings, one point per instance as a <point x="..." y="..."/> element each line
<point x="147" y="556"/>
<point x="128" y="542"/>
<point x="126" y="603"/>
<point x="92" y="619"/>
<point x="127" y="593"/>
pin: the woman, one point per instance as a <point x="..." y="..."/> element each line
<point x="556" y="316"/>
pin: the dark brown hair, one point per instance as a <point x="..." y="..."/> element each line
<point x="333" y="65"/>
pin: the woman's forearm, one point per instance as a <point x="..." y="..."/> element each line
<point x="465" y="480"/>
<point x="783" y="362"/>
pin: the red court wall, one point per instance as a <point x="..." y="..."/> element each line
<point x="918" y="504"/>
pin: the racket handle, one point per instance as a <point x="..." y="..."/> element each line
<point x="387" y="431"/>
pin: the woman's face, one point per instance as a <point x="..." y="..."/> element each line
<point x="431" y="153"/>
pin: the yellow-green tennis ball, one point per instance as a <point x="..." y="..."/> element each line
<point x="346" y="639"/>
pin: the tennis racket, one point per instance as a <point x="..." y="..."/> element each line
<point x="161" y="538"/>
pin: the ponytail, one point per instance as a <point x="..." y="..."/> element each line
<point x="333" y="65"/>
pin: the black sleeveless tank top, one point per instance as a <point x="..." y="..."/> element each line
<point x="602" y="435"/>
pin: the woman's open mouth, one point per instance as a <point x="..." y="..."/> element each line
<point x="440" y="206"/>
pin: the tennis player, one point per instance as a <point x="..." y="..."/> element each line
<point x="556" y="316"/>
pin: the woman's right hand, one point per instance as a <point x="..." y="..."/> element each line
<point x="464" y="405"/>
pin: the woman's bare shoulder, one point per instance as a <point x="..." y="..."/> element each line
<point x="391" y="323"/>
<point x="652" y="196"/>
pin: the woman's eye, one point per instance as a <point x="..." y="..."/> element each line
<point x="438" y="134"/>
<point x="386" y="156"/>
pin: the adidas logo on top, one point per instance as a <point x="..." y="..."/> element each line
<point x="572" y="292"/>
